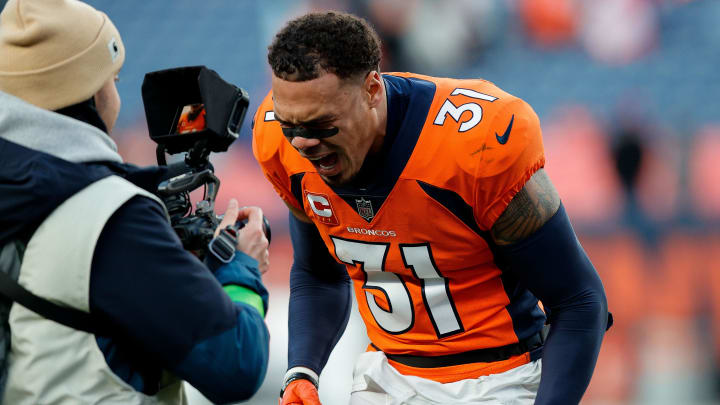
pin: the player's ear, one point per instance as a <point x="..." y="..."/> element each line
<point x="373" y="88"/>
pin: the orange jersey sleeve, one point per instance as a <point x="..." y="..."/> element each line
<point x="492" y="138"/>
<point x="278" y="163"/>
<point x="510" y="152"/>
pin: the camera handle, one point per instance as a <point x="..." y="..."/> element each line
<point x="196" y="157"/>
<point x="160" y="154"/>
<point x="190" y="181"/>
<point x="237" y="115"/>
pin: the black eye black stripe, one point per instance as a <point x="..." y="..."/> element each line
<point x="309" y="132"/>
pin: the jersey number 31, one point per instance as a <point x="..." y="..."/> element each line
<point x="476" y="111"/>
<point x="400" y="315"/>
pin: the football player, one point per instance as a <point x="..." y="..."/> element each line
<point x="427" y="196"/>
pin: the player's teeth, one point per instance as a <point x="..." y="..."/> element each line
<point x="327" y="162"/>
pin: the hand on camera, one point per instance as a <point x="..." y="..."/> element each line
<point x="251" y="239"/>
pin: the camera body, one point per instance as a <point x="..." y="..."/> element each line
<point x="192" y="111"/>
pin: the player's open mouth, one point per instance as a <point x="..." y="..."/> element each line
<point x="326" y="165"/>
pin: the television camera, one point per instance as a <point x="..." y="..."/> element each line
<point x="192" y="111"/>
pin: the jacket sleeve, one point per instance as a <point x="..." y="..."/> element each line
<point x="164" y="303"/>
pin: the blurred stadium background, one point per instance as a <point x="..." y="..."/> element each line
<point x="628" y="93"/>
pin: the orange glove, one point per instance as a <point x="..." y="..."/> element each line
<point x="300" y="392"/>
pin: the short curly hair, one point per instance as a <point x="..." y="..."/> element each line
<point x="315" y="43"/>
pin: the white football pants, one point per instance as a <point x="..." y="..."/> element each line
<point x="375" y="382"/>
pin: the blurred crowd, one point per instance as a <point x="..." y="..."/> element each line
<point x="629" y="99"/>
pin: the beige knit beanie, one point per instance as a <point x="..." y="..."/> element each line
<point x="56" y="53"/>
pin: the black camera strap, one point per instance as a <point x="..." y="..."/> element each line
<point x="70" y="317"/>
<point x="224" y="244"/>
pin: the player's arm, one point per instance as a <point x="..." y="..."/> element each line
<point x="298" y="214"/>
<point x="528" y="211"/>
<point x="319" y="285"/>
<point x="319" y="309"/>
<point x="536" y="242"/>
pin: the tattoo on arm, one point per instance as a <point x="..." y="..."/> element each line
<point x="531" y="207"/>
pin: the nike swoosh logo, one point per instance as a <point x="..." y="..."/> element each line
<point x="504" y="138"/>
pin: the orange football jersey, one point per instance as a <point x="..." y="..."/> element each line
<point x="414" y="242"/>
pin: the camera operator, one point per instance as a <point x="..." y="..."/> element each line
<point x="82" y="229"/>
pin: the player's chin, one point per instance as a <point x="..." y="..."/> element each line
<point x="336" y="179"/>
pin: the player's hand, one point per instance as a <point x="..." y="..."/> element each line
<point x="251" y="238"/>
<point x="300" y="392"/>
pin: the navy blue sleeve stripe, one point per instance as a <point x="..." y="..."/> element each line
<point x="454" y="203"/>
<point x="296" y="187"/>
